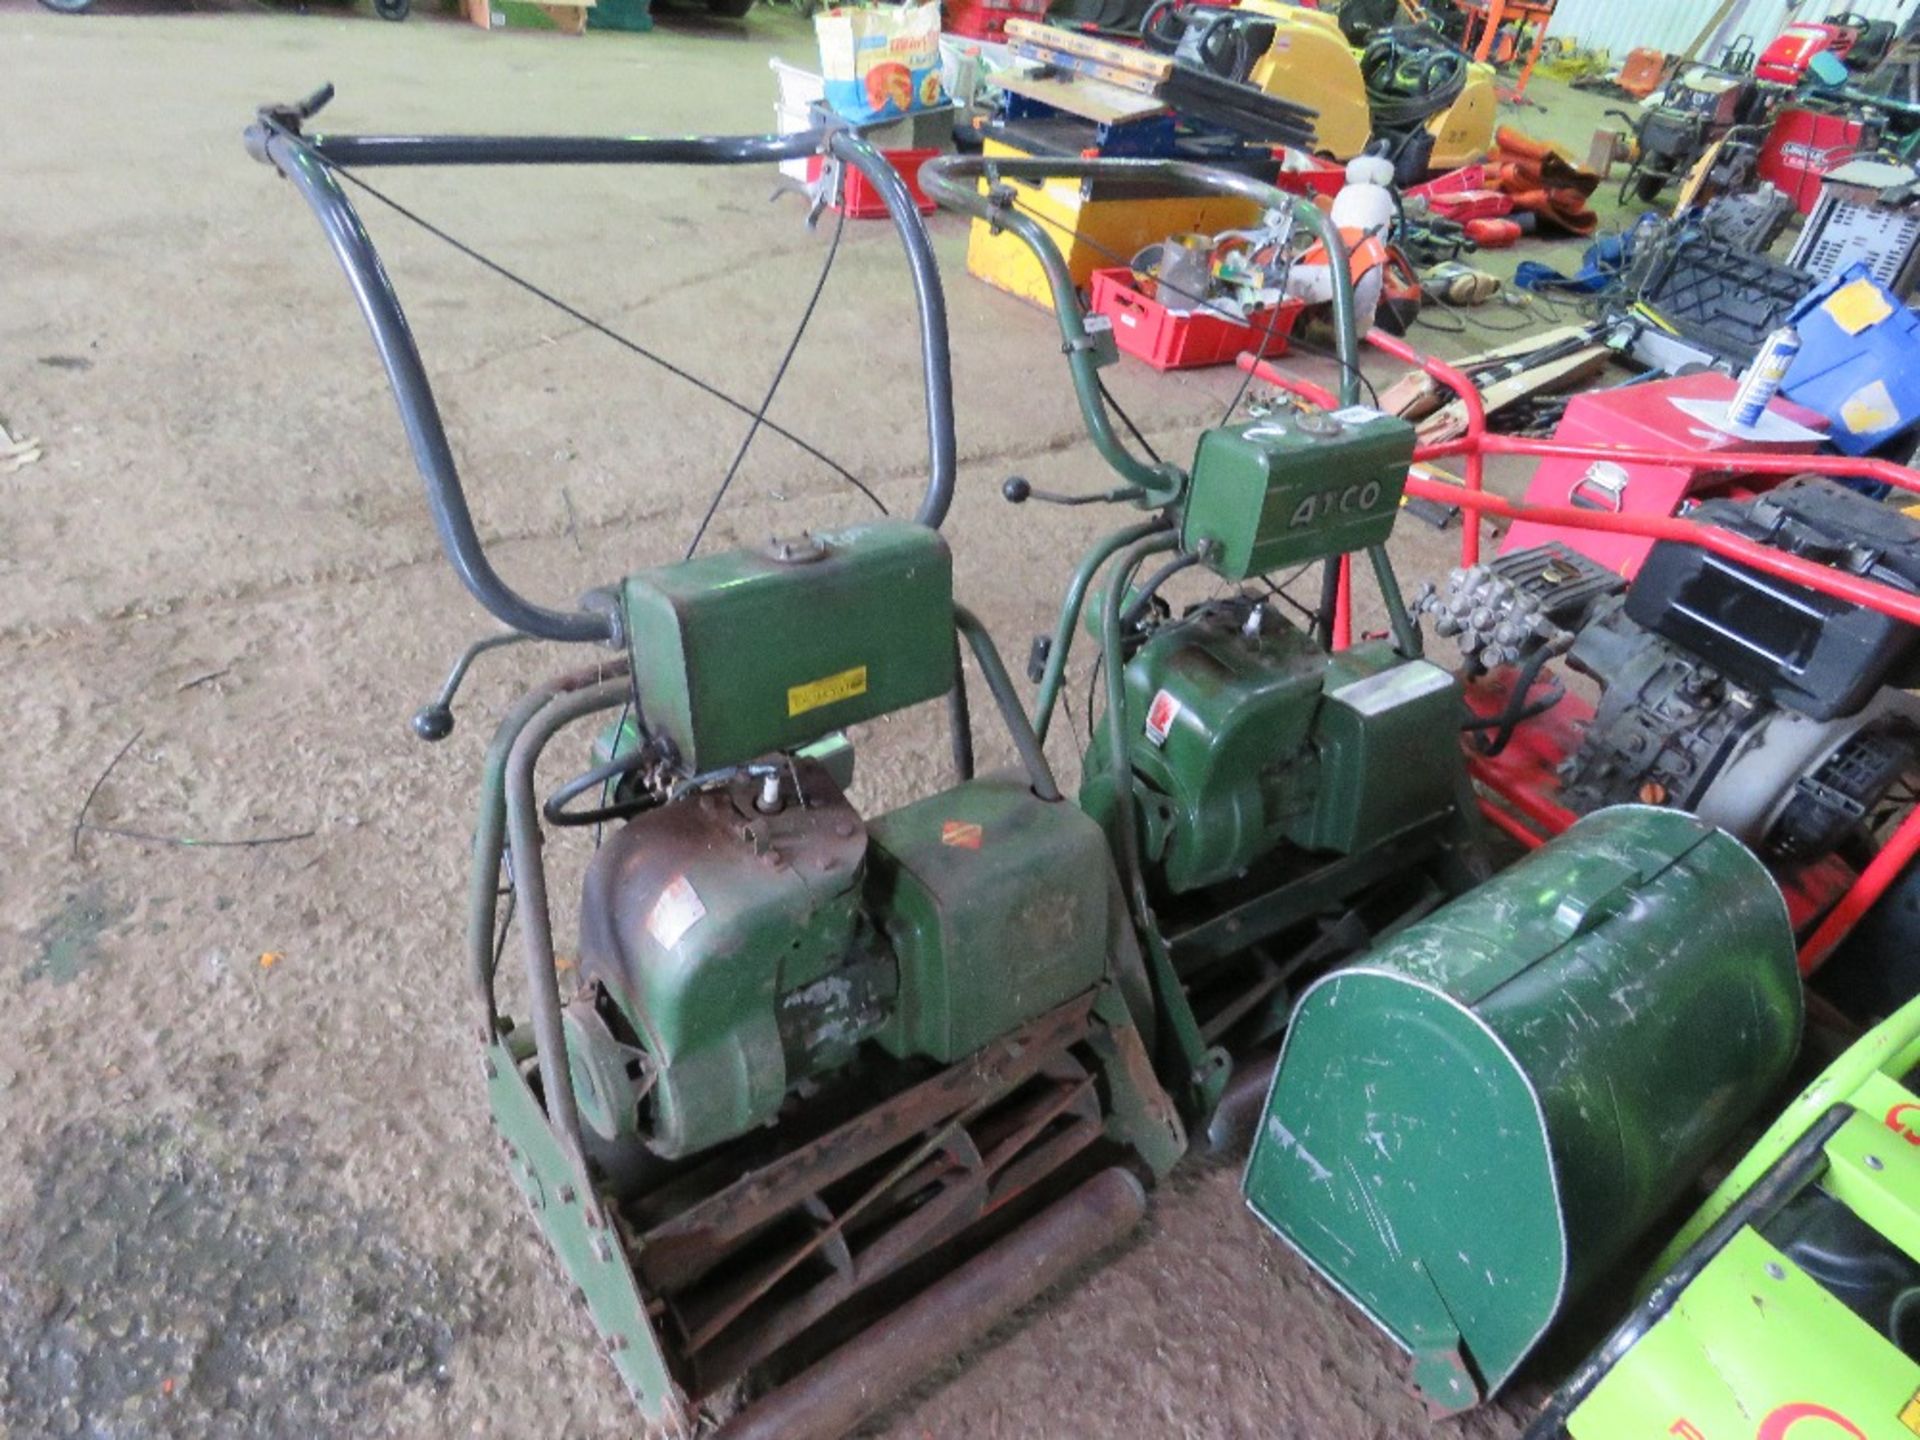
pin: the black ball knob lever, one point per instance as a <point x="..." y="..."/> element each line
<point x="433" y="721"/>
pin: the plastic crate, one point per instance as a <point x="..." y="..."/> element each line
<point x="1185" y="340"/>
<point x="1319" y="178"/>
<point x="1721" y="298"/>
<point x="987" y="19"/>
<point x="860" y="201"/>
<point x="1859" y="360"/>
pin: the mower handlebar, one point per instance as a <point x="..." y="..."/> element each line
<point x="953" y="181"/>
<point x="309" y="162"/>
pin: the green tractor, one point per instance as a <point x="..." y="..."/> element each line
<point x="834" y="1092"/>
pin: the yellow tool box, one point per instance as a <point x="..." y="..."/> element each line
<point x="1097" y="225"/>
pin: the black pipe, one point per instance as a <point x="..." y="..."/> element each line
<point x="1000" y="685"/>
<point x="1516" y="709"/>
<point x="1143" y="597"/>
<point x="930" y="301"/>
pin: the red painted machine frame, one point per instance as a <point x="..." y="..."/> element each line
<point x="1827" y="898"/>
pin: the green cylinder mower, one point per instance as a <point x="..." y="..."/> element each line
<point x="834" y="1092"/>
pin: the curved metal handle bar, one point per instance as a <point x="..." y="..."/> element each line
<point x="930" y="300"/>
<point x="307" y="162"/>
<point x="419" y="415"/>
<point x="952" y="181"/>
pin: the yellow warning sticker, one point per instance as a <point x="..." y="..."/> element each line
<point x="828" y="691"/>
<point x="1910" y="1413"/>
<point x="1854" y="307"/>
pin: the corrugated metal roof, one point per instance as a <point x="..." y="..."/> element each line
<point x="1618" y="26"/>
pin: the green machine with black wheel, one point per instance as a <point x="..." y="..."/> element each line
<point x="1789" y="1305"/>
<point x="1272" y="801"/>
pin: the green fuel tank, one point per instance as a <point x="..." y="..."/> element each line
<point x="1473" y="1121"/>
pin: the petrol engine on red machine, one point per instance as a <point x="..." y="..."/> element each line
<point x="1780" y="714"/>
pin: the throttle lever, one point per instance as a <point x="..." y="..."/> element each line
<point x="434" y="720"/>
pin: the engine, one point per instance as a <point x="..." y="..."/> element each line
<point x="1274" y="778"/>
<point x="1777" y="713"/>
<point x="1256" y="738"/>
<point x="748" y="932"/>
<point x="752" y="936"/>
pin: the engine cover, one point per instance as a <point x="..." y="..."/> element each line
<point x="1251" y="736"/>
<point x="1000" y="906"/>
<point x="731" y="944"/>
<point x="1813" y="653"/>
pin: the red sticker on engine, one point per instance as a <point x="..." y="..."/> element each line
<point x="1160" y="716"/>
<point x="963" y="834"/>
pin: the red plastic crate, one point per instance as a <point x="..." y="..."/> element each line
<point x="987" y="19"/>
<point x="1321" y="178"/>
<point x="861" y="201"/>
<point x="1166" y="340"/>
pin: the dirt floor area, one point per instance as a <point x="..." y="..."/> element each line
<point x="246" y="1181"/>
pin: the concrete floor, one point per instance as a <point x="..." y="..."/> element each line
<point x="245" y="1180"/>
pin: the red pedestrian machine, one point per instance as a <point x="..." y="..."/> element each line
<point x="1757" y="670"/>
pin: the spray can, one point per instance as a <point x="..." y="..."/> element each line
<point x="1762" y="379"/>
